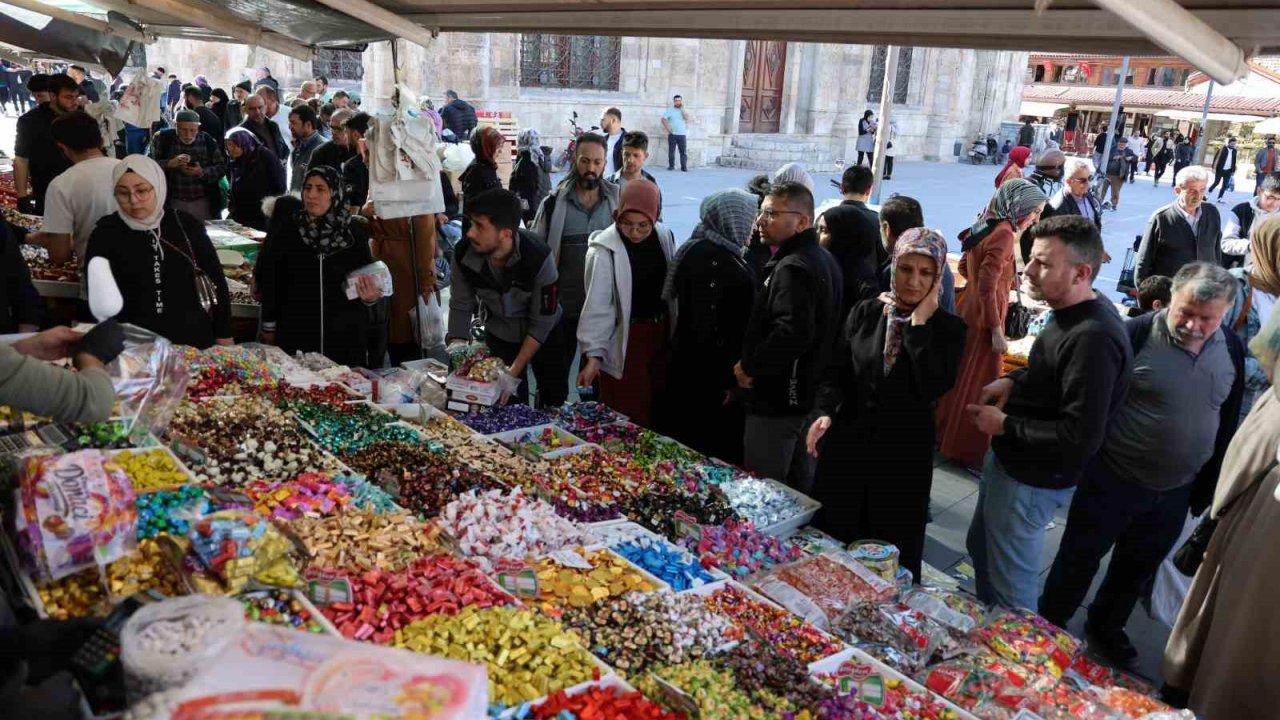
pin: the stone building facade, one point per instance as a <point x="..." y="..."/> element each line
<point x="753" y="103"/>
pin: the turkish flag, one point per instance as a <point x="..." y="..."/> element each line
<point x="1085" y="70"/>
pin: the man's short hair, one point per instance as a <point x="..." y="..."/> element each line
<point x="1270" y="183"/>
<point x="1192" y="172"/>
<point x="190" y="89"/>
<point x="80" y="68"/>
<point x="359" y="122"/>
<point x="341" y="93"/>
<point x="1122" y="140"/>
<point x="341" y="116"/>
<point x="1156" y="287"/>
<point x="588" y="139"/>
<point x="901" y="213"/>
<point x="160" y="70"/>
<point x="77" y="130"/>
<point x="327" y="110"/>
<point x="857" y="179"/>
<point x="38" y="83"/>
<point x="502" y="207"/>
<point x="1207" y="282"/>
<point x="614" y="112"/>
<point x="1079" y="234"/>
<point x="635" y="140"/>
<point x="795" y="195"/>
<point x="323" y="79"/>
<point x="267" y="86"/>
<point x="1073" y="165"/>
<point x="306" y="115"/>
<point x="677" y="97"/>
<point x="61" y="81"/>
<point x="451" y="94"/>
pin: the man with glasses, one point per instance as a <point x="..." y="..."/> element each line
<point x="789" y="337"/>
<point x="337" y="150"/>
<point x="1076" y="195"/>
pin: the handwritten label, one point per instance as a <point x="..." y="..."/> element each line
<point x="686" y="525"/>
<point x="865" y="683"/>
<point x="325" y="587"/>
<point x="516" y="577"/>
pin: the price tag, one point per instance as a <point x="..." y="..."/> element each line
<point x="865" y="683"/>
<point x="686" y="525"/>
<point x="569" y="558"/>
<point x="517" y="577"/>
<point x="677" y="699"/>
<point x="325" y="587"/>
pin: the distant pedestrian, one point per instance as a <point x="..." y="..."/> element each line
<point x="867" y="138"/>
<point x="1224" y="166"/>
<point x="1012" y="170"/>
<point x="1026" y="134"/>
<point x="1184" y="231"/>
<point x="676" y="122"/>
<point x="1117" y="169"/>
<point x="1265" y="162"/>
<point x="458" y="115"/>
<point x="1161" y="153"/>
<point x="1182" y="153"/>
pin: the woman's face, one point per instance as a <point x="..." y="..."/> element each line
<point x="1031" y="219"/>
<point x="914" y="278"/>
<point x="315" y="196"/>
<point x="634" y="226"/>
<point x="136" y="196"/>
<point x="234" y="150"/>
<point x="214" y="99"/>
<point x="824" y="235"/>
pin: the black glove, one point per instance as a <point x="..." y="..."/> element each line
<point x="47" y="645"/>
<point x="105" y="341"/>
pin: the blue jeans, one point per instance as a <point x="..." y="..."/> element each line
<point x="1006" y="537"/>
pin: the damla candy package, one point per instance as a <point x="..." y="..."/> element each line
<point x="77" y="511"/>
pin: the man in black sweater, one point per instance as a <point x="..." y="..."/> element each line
<point x="789" y="337"/>
<point x="1184" y="231"/>
<point x="1049" y="418"/>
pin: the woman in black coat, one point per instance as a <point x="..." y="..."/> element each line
<point x="256" y="174"/>
<point x="482" y="173"/>
<point x="713" y="288"/>
<point x="312" y="245"/>
<point x="163" y="264"/>
<point x="852" y="240"/>
<point x="897" y="355"/>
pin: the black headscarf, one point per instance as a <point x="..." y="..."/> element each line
<point x="329" y="232"/>
<point x="854" y="240"/>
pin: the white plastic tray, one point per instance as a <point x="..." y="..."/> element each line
<point x="568" y="441"/>
<point x="809" y="505"/>
<point x="833" y="663"/>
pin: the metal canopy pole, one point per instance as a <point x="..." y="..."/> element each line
<point x="886" y="117"/>
<point x="1201" y="142"/>
<point x="1111" y="128"/>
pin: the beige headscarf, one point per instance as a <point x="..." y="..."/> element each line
<point x="148" y="170"/>
<point x="1265" y="274"/>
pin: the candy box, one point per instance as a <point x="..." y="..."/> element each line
<point x="472" y="392"/>
<point x="267" y="669"/>
<point x="539" y="441"/>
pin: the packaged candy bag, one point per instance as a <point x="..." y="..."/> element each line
<point x="959" y="614"/>
<point x="239" y="547"/>
<point x="908" y="631"/>
<point x="987" y="694"/>
<point x="1132" y="704"/>
<point x="1028" y="639"/>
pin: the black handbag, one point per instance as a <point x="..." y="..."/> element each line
<point x="1018" y="320"/>
<point x="1188" y="558"/>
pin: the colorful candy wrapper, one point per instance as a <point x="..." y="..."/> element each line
<point x="1028" y="639"/>
<point x="908" y="631"/>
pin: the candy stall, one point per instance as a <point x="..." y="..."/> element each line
<point x="268" y="535"/>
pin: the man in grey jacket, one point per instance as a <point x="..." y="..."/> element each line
<point x="583" y="203"/>
<point x="28" y="382"/>
<point x="511" y="275"/>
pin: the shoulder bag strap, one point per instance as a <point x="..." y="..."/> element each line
<point x="1246" y="306"/>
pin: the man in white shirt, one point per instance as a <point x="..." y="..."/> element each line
<point x="611" y="124"/>
<point x="80" y="196"/>
<point x="276" y="113"/>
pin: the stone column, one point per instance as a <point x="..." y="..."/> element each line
<point x="737" y="57"/>
<point x="854" y="73"/>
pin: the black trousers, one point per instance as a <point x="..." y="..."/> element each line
<point x="1220" y="176"/>
<point x="888" y="167"/>
<point x="547" y="364"/>
<point x="870" y="159"/>
<point x="673" y="142"/>
<point x="1161" y="164"/>
<point x="1138" y="525"/>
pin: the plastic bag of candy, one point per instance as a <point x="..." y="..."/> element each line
<point x="908" y="631"/>
<point x="1028" y="639"/>
<point x="958" y="613"/>
<point x="1061" y="700"/>
<point x="1133" y="704"/>
<point x="242" y="550"/>
<point x="968" y="684"/>
<point x="834" y="581"/>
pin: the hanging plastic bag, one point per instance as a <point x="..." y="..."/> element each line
<point x="428" y="322"/>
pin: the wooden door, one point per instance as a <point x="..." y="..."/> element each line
<point x="763" y="71"/>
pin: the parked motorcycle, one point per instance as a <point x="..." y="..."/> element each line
<point x="566" y="156"/>
<point x="978" y="152"/>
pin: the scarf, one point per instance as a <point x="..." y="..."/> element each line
<point x="1014" y="200"/>
<point x="485" y="143"/>
<point x="148" y="170"/>
<point x="726" y="220"/>
<point x="248" y="144"/>
<point x="328" y="233"/>
<point x="1017" y="158"/>
<point x="529" y="140"/>
<point x="793" y="172"/>
<point x="916" y="241"/>
<point x="854" y="250"/>
<point x="1265" y="274"/>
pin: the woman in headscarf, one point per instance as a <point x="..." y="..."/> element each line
<point x="988" y="266"/>
<point x="896" y="355"/>
<point x="1012" y="170"/>
<point x="256" y="174"/>
<point x="710" y="285"/>
<point x="867" y="139"/>
<point x="843" y="231"/>
<point x="1223" y="646"/>
<point x="793" y="172"/>
<point x="531" y="176"/>
<point x="1255" y="303"/>
<point x="218" y="103"/>
<point x="482" y="173"/>
<point x="312" y="245"/>
<point x="163" y="263"/>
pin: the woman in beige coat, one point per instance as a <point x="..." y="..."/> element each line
<point x="1225" y="647"/>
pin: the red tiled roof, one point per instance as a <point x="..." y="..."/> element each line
<point x="1144" y="99"/>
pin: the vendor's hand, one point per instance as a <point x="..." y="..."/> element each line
<point x="442" y="219"/>
<point x="988" y="418"/>
<point x="178" y="161"/>
<point x="428" y="293"/>
<point x="996" y="394"/>
<point x="587" y="377"/>
<point x="816" y="431"/>
<point x="104" y="342"/>
<point x="510" y="384"/>
<point x="928" y="306"/>
<point x="52" y="344"/>
<point x="999" y="343"/>
<point x="191" y="169"/>
<point x="368" y="210"/>
<point x="745" y="381"/>
<point x="368" y="289"/>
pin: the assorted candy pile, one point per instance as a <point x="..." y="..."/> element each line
<point x="504" y="418"/>
<point x="366" y="540"/>
<point x="308" y="494"/>
<point x="497" y="524"/>
<point x="280" y="607"/>
<point x="578" y="579"/>
<point x="169" y="512"/>
<point x="579" y="417"/>
<point x="152" y="469"/>
<point x="538" y="442"/>
<point x="738" y="549"/>
<point x="782" y="630"/>
<point x="638" y="630"/>
<point x="670" y="564"/>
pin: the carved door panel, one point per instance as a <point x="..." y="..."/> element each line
<point x="763" y="70"/>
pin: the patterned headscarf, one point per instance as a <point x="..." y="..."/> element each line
<point x="529" y="140"/>
<point x="916" y="241"/>
<point x="328" y="233"/>
<point x="793" y="172"/>
<point x="726" y="220"/>
<point x="1265" y="347"/>
<point x="248" y="144"/>
<point x="1014" y="200"/>
<point x="1265" y="274"/>
<point x="485" y="143"/>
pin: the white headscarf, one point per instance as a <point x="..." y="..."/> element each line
<point x="148" y="170"/>
<point x="793" y="172"/>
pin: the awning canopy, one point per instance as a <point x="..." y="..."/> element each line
<point x="1213" y="35"/>
<point x="1192" y="115"/>
<point x="1039" y="109"/>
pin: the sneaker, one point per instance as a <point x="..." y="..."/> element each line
<point x="1113" y="645"/>
<point x="671" y="169"/>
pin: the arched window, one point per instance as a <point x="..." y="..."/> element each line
<point x="901" y="84"/>
<point x="570" y="61"/>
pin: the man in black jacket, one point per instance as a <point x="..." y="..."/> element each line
<point x="1184" y="231"/>
<point x="1224" y="166"/>
<point x="1161" y="457"/>
<point x="458" y="115"/>
<point x="1047" y="419"/>
<point x="855" y="188"/>
<point x="1076" y="196"/>
<point x="259" y="123"/>
<point x="789" y="337"/>
<point x="209" y="122"/>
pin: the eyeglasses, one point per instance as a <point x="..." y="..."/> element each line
<point x="772" y="215"/>
<point x="335" y="127"/>
<point x="127" y="194"/>
<point x="637" y="228"/>
<point x="1081" y="179"/>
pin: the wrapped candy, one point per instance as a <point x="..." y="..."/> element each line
<point x="1026" y="638"/>
<point x="238" y="547"/>
<point x="906" y="630"/>
<point x="985" y="693"/>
